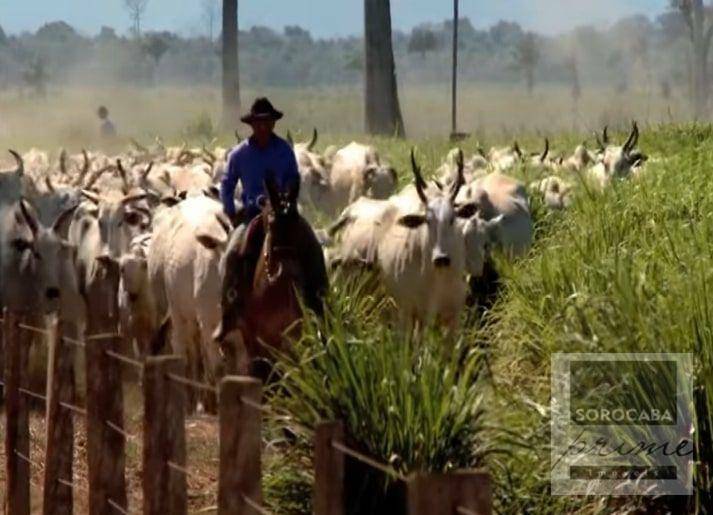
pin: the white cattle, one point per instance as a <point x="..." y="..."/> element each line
<point x="497" y="194"/>
<point x="138" y="314"/>
<point x="421" y="255"/>
<point x="617" y="162"/>
<point x="505" y="159"/>
<point x="556" y="192"/>
<point x="314" y="173"/>
<point x="357" y="171"/>
<point x="183" y="267"/>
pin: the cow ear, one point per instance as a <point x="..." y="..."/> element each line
<point x="467" y="210"/>
<point x="209" y="241"/>
<point x="412" y="221"/>
<point x="492" y="227"/>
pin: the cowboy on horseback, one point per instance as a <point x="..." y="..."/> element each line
<point x="262" y="157"/>
<point x="273" y="263"/>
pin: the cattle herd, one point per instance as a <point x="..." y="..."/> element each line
<point x="130" y="241"/>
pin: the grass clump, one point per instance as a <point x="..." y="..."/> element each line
<point x="414" y="404"/>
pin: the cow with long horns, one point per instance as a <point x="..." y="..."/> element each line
<point x="422" y="254"/>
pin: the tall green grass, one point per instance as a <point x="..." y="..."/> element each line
<point x="623" y="271"/>
<point x="406" y="402"/>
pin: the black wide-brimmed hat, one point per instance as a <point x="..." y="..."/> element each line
<point x="261" y="109"/>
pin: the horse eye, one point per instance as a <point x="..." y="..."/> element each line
<point x="232" y="295"/>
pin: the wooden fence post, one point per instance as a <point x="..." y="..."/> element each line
<point x="105" y="447"/>
<point x="59" y="441"/>
<point x="328" y="470"/>
<point x="164" y="487"/>
<point x="240" y="444"/>
<point x="17" y="427"/>
<point x="445" y="493"/>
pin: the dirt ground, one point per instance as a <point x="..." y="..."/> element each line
<point x="202" y="459"/>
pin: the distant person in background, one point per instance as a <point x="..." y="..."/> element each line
<point x="107" y="129"/>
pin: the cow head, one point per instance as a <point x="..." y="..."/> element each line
<point x="480" y="235"/>
<point x="439" y="217"/>
<point x="133" y="270"/>
<point x="379" y="181"/>
<point x="38" y="262"/>
<point x="118" y="221"/>
<point x="618" y="161"/>
<point x="15" y="183"/>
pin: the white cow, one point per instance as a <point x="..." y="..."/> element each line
<point x="137" y="307"/>
<point x="314" y="173"/>
<point x="617" y="162"/>
<point x="497" y="194"/>
<point x="183" y="267"/>
<point x="357" y="171"/>
<point x="422" y="257"/>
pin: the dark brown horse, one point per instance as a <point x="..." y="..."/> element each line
<point x="266" y="270"/>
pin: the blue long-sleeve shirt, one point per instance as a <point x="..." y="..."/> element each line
<point x="248" y="163"/>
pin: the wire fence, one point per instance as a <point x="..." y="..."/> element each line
<point x="165" y="471"/>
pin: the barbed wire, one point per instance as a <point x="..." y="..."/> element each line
<point x="254" y="505"/>
<point x="190" y="382"/>
<point x="32" y="394"/>
<point x="117" y="507"/>
<point x="390" y="471"/>
<point x="125" y="359"/>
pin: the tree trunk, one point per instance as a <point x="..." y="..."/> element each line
<point x="383" y="113"/>
<point x="701" y="41"/>
<point x="231" y="77"/>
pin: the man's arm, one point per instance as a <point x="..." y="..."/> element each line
<point x="228" y="185"/>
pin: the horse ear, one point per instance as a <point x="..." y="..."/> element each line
<point x="271" y="188"/>
<point x="294" y="191"/>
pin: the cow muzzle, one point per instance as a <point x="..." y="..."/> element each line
<point x="52" y="293"/>
<point x="441" y="261"/>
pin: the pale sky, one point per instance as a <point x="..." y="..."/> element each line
<point x="323" y="18"/>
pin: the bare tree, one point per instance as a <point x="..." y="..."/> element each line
<point x="527" y="55"/>
<point x="383" y="112"/>
<point x="136" y="9"/>
<point x="210" y="15"/>
<point x="699" y="20"/>
<point x="231" y="76"/>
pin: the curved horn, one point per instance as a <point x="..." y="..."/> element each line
<point x="146" y="172"/>
<point x="289" y="139"/>
<point x="29" y="218"/>
<point x="123" y="175"/>
<point x="516" y="148"/>
<point x="546" y="152"/>
<point x="313" y="141"/>
<point x="599" y="142"/>
<point x="418" y="178"/>
<point x="133" y="198"/>
<point x="210" y="155"/>
<point x="62" y="218"/>
<point x="139" y="146"/>
<point x="460" y="180"/>
<point x="63" y="162"/>
<point x="90" y="195"/>
<point x="237" y="136"/>
<point x="633" y="139"/>
<point x="605" y="135"/>
<point x="95" y="176"/>
<point x="48" y="183"/>
<point x="20" y="163"/>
